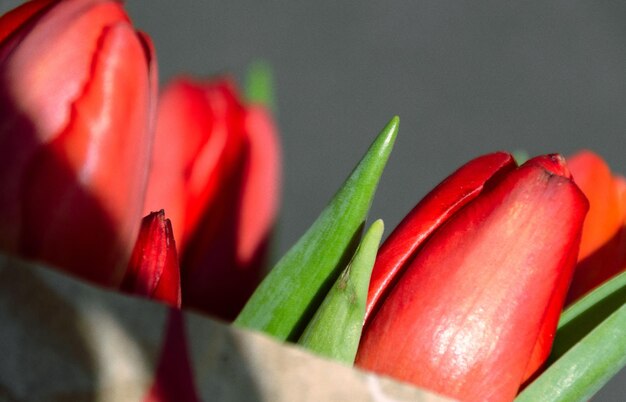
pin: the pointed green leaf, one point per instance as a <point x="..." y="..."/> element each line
<point x="585" y="314"/>
<point x="335" y="329"/>
<point x="586" y="367"/>
<point x="520" y="156"/>
<point x="285" y="301"/>
<point x="260" y="84"/>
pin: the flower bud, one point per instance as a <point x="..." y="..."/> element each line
<point x="77" y="87"/>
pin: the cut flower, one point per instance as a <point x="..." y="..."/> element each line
<point x="472" y="311"/>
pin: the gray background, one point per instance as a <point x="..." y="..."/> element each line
<point x="466" y="78"/>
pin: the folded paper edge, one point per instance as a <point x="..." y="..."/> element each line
<point x="64" y="339"/>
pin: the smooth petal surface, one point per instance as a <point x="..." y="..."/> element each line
<point x="16" y="18"/>
<point x="261" y="184"/>
<point x="198" y="144"/>
<point x="217" y="168"/>
<point x="153" y="270"/>
<point x="465" y="318"/>
<point x="603" y="245"/>
<point x="75" y="96"/>
<point x="447" y="198"/>
<point x="225" y="260"/>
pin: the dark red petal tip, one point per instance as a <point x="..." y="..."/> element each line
<point x="153" y="270"/>
<point x="553" y="163"/>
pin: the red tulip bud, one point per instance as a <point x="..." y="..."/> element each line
<point x="481" y="296"/>
<point x="603" y="245"/>
<point x="445" y="200"/>
<point x="216" y="171"/>
<point x="153" y="270"/>
<point x="76" y="92"/>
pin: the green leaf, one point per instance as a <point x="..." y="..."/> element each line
<point x="586" y="367"/>
<point x="260" y="84"/>
<point x="285" y="301"/>
<point x="585" y="314"/>
<point x="520" y="156"/>
<point x="335" y="329"/>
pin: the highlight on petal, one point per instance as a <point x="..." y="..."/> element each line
<point x="198" y="145"/>
<point x="76" y="87"/>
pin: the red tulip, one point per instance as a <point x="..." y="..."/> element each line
<point x="76" y="96"/>
<point x="603" y="244"/>
<point x="216" y="173"/>
<point x="445" y="200"/>
<point x="153" y="270"/>
<point x="472" y="310"/>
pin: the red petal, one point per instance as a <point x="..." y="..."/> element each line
<point x="212" y="280"/>
<point x="602" y="247"/>
<point x="261" y="184"/>
<point x="153" y="270"/>
<point x="53" y="62"/>
<point x="199" y="138"/>
<point x="216" y="167"/>
<point x="16" y="18"/>
<point x="439" y="205"/>
<point x="465" y="318"/>
<point x="67" y="70"/>
<point x="552" y="163"/>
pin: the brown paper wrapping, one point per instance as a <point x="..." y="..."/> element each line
<point x="65" y="340"/>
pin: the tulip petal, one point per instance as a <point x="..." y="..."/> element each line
<point x="74" y="92"/>
<point x="14" y="19"/>
<point x="335" y="329"/>
<point x="41" y="62"/>
<point x="462" y="320"/>
<point x="555" y="164"/>
<point x="198" y="144"/>
<point x="602" y="248"/>
<point x="217" y="168"/>
<point x="92" y="176"/>
<point x="153" y="269"/>
<point x="284" y="302"/>
<point x="40" y="78"/>
<point x="439" y="205"/>
<point x="594" y="178"/>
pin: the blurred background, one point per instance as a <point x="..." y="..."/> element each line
<point x="465" y="79"/>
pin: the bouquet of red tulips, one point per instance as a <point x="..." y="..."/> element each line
<point x="504" y="282"/>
